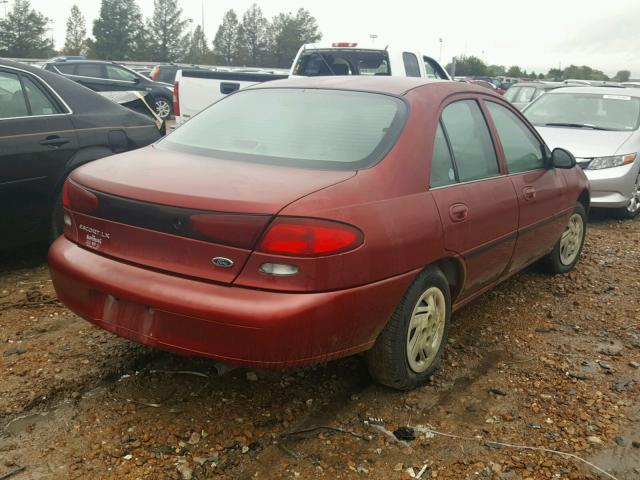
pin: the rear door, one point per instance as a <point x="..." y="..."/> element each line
<point x="542" y="196"/>
<point x="476" y="201"/>
<point x="37" y="139"/>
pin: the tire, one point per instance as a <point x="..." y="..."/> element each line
<point x="389" y="360"/>
<point x="163" y="107"/>
<point x="566" y="253"/>
<point x="56" y="227"/>
<point x="632" y="209"/>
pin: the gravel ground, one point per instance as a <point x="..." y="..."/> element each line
<point x="541" y="361"/>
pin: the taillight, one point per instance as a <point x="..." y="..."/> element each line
<point x="76" y="198"/>
<point x="154" y="73"/>
<point x="308" y="237"/>
<point x="176" y="99"/>
<point x="234" y="230"/>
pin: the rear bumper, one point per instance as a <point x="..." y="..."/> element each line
<point x="227" y="323"/>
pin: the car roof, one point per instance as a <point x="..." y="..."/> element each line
<point x="371" y="83"/>
<point x="627" y="92"/>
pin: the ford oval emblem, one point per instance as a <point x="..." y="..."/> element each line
<point x="222" y="262"/>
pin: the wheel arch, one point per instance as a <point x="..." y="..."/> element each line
<point x="454" y="270"/>
<point x="585" y="199"/>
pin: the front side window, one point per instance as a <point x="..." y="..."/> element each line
<point x="308" y="128"/>
<point x="12" y="101"/>
<point x="117" y="73"/>
<point x="411" y="66"/>
<point x="471" y="143"/>
<point x="69" y="69"/>
<point x="594" y="111"/>
<point x="522" y="150"/>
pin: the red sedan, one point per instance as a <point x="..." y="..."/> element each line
<point x="305" y="220"/>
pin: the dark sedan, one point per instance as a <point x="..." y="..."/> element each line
<point x="111" y="77"/>
<point x="48" y="126"/>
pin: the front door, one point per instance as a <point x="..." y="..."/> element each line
<point x="541" y="191"/>
<point x="477" y="203"/>
<point x="37" y="139"/>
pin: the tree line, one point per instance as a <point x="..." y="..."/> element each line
<point x="472" y="66"/>
<point x="121" y="33"/>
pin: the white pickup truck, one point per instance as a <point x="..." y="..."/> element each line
<point x="195" y="90"/>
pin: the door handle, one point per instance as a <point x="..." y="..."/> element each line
<point x="458" y="212"/>
<point x="54" y="141"/>
<point x="529" y="193"/>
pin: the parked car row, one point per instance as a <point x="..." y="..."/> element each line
<point x="50" y="125"/>
<point x="108" y="77"/>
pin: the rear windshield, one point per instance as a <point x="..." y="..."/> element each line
<point x="589" y="110"/>
<point x="310" y="128"/>
<point x="317" y="62"/>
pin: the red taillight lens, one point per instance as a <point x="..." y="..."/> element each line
<point x="234" y="230"/>
<point x="76" y="198"/>
<point x="176" y="99"/>
<point x="154" y="73"/>
<point x="308" y="237"/>
<point x="344" y="44"/>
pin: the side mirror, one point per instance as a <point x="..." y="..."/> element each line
<point x="561" y="158"/>
<point x="136" y="80"/>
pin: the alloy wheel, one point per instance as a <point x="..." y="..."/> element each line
<point x="163" y="109"/>
<point x="634" y="202"/>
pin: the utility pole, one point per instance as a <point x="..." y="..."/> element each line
<point x="440" y="57"/>
<point x="202" y="16"/>
<point x="4" y="2"/>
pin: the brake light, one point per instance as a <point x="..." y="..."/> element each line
<point x="227" y="229"/>
<point x="76" y="198"/>
<point x="344" y="44"/>
<point x="308" y="237"/>
<point x="176" y="99"/>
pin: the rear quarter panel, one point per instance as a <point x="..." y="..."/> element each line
<point x="389" y="202"/>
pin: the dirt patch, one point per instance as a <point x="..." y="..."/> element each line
<point x="541" y="361"/>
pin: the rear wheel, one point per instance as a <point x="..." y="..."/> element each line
<point x="163" y="107"/>
<point x="566" y="253"/>
<point x="633" y="207"/>
<point x="409" y="349"/>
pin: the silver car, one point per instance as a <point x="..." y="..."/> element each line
<point x="599" y="125"/>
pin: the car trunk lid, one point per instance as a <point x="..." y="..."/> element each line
<point x="185" y="214"/>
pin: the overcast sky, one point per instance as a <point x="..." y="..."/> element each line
<point x="535" y="35"/>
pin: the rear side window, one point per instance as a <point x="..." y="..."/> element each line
<point x="442" y="170"/>
<point x="468" y="133"/>
<point x="310" y="128"/>
<point x="411" y="66"/>
<point x="522" y="150"/>
<point x="12" y="101"/>
<point x="93" y="70"/>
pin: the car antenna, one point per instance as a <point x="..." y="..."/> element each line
<point x="315" y="50"/>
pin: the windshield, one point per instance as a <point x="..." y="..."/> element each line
<point x="327" y="129"/>
<point x="316" y="62"/>
<point x="589" y="110"/>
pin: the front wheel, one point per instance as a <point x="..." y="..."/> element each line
<point x="163" y="107"/>
<point x="409" y="348"/>
<point x="632" y="209"/>
<point x="566" y="252"/>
